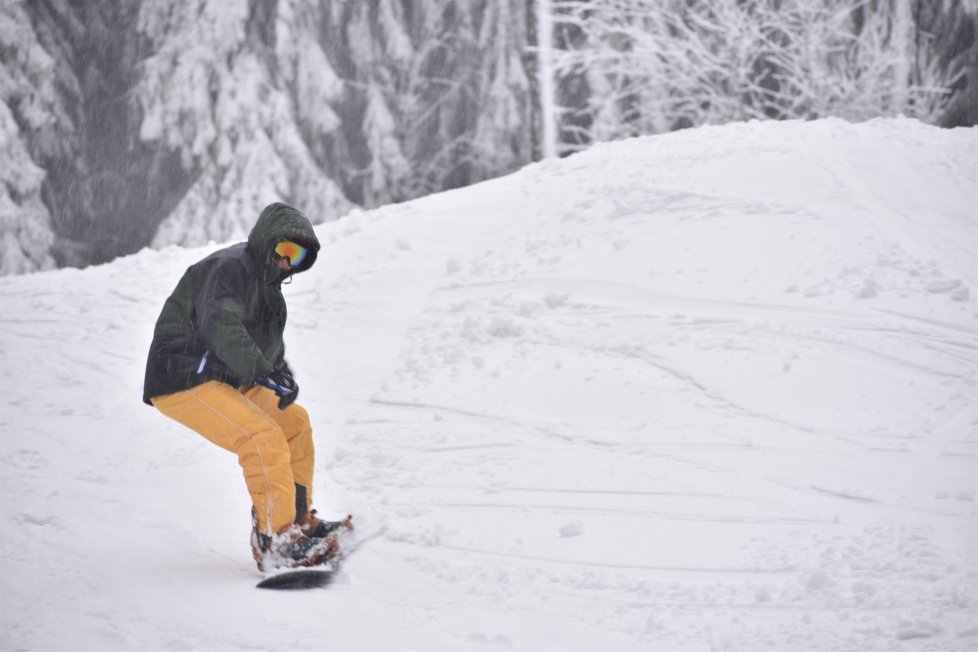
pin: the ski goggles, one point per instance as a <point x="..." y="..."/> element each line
<point x="294" y="251"/>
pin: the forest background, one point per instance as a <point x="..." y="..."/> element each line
<point x="142" y="123"/>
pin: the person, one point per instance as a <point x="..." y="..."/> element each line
<point x="217" y="365"/>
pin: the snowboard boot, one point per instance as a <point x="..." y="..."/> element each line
<point x="312" y="526"/>
<point x="290" y="548"/>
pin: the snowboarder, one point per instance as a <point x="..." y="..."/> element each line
<point x="217" y="365"/>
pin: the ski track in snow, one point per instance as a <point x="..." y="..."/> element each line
<point x="713" y="389"/>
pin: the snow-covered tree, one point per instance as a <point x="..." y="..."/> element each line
<point x="436" y="94"/>
<point x="501" y="137"/>
<point x="26" y="236"/>
<point x="211" y="91"/>
<point x="950" y="27"/>
<point x="655" y="65"/>
<point x="28" y="101"/>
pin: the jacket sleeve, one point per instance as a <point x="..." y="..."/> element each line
<point x="220" y="309"/>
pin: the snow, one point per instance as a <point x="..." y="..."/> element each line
<point x="706" y="390"/>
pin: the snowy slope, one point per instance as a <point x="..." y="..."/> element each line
<point x="713" y="389"/>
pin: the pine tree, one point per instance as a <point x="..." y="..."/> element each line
<point x="212" y="89"/>
<point x="28" y="101"/>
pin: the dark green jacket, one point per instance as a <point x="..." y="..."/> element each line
<point x="225" y="319"/>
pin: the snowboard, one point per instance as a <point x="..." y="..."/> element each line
<point x="312" y="577"/>
<point x="297" y="579"/>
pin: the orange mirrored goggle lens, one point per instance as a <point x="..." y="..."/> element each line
<point x="294" y="251"/>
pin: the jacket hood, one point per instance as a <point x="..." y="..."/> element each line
<point x="279" y="222"/>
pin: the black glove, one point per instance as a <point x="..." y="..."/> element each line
<point x="282" y="383"/>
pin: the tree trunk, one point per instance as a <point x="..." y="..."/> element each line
<point x="545" y="78"/>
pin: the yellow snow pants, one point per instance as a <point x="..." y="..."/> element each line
<point x="274" y="447"/>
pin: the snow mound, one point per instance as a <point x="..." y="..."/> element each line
<point x="709" y="389"/>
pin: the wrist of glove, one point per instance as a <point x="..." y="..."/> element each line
<point x="282" y="383"/>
